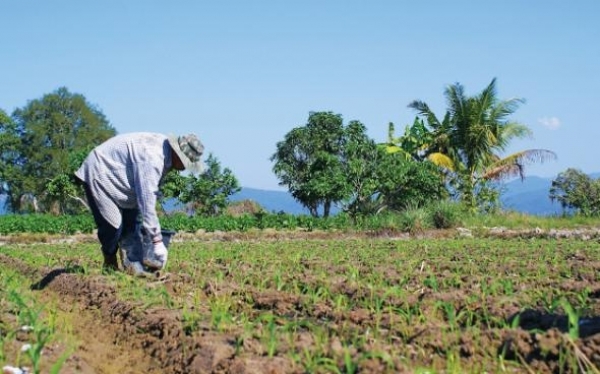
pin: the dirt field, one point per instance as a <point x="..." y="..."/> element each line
<point x="114" y="335"/>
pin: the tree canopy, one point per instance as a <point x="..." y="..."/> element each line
<point x="470" y="139"/>
<point x="309" y="162"/>
<point x="327" y="162"/>
<point x="38" y="143"/>
<point x="206" y="194"/>
<point x="575" y="190"/>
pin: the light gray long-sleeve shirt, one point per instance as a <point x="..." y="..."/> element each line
<point x="124" y="173"/>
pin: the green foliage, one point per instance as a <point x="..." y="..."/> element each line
<point x="309" y="161"/>
<point x="405" y="183"/>
<point x="66" y="192"/>
<point x="574" y="189"/>
<point x="173" y="184"/>
<point x="413" y="144"/>
<point x="11" y="159"/>
<point x="362" y="164"/>
<point x="31" y="322"/>
<point x="487" y="197"/>
<point x="442" y="214"/>
<point x="415" y="220"/>
<point x="445" y="214"/>
<point x="573" y="317"/>
<point x="469" y="140"/>
<point x="326" y="162"/>
<point x="206" y="194"/>
<point x="43" y="140"/>
<point x="45" y="223"/>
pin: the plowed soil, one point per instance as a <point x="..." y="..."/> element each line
<point x="117" y="336"/>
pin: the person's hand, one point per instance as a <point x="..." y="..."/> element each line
<point x="161" y="253"/>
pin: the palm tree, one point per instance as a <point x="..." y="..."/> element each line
<point x="474" y="132"/>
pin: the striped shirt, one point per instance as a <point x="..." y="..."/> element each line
<point x="124" y="173"/>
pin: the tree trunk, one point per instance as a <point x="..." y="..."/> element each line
<point x="326" y="208"/>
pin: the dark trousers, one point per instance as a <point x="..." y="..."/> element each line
<point x="109" y="236"/>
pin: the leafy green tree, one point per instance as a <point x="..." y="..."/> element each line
<point x="326" y="162"/>
<point x="420" y="143"/>
<point x="9" y="158"/>
<point x="63" y="191"/>
<point x="309" y="162"/>
<point x="574" y="189"/>
<point x="391" y="181"/>
<point x="468" y="142"/>
<point x="361" y="159"/>
<point x="171" y="188"/>
<point x="406" y="183"/>
<point x="206" y="194"/>
<point x="49" y="131"/>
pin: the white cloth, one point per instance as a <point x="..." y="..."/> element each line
<point x="124" y="173"/>
<point x="161" y="254"/>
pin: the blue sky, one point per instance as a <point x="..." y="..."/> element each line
<point x="241" y="74"/>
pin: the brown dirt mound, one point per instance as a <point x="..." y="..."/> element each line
<point x="153" y="335"/>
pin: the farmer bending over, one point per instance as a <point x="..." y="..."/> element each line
<point x="121" y="178"/>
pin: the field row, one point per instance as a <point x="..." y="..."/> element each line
<point x="358" y="305"/>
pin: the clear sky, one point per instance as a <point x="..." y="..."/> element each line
<point x="241" y="74"/>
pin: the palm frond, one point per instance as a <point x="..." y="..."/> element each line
<point x="423" y="110"/>
<point x="502" y="171"/>
<point x="514" y="164"/>
<point x="441" y="160"/>
<point x="456" y="100"/>
<point x="391" y="149"/>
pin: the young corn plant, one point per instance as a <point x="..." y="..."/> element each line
<point x="573" y="318"/>
<point x="29" y="316"/>
<point x="315" y="362"/>
<point x="451" y="316"/>
<point x="190" y="321"/>
<point x="220" y="307"/>
<point x="270" y="333"/>
<point x="431" y="282"/>
<point x="350" y="367"/>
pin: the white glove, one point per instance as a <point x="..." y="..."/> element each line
<point x="161" y="253"/>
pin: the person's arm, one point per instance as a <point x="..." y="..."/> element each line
<point x="147" y="177"/>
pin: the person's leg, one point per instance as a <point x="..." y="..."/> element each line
<point x="131" y="242"/>
<point x="107" y="234"/>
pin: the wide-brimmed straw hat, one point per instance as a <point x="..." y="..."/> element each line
<point x="189" y="149"/>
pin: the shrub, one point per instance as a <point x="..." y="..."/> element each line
<point x="446" y="214"/>
<point x="415" y="220"/>
<point x="243" y="207"/>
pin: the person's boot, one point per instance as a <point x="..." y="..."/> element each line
<point x="110" y="262"/>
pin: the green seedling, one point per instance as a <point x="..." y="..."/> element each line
<point x="573" y="318"/>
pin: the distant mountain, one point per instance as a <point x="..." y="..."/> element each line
<point x="531" y="196"/>
<point x="271" y="201"/>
